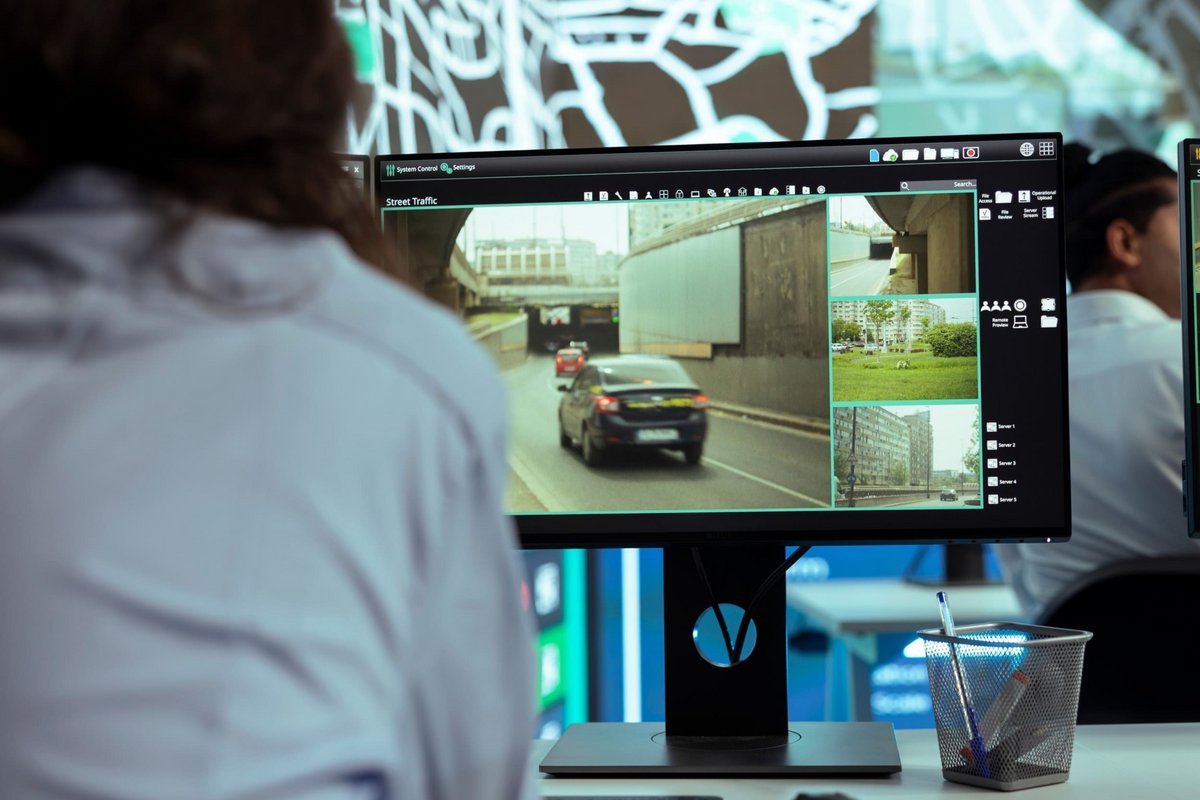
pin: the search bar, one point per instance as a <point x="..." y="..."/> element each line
<point x="932" y="186"/>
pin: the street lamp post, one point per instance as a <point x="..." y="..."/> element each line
<point x="851" y="478"/>
<point x="928" y="467"/>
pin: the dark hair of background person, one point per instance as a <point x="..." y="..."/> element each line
<point x="227" y="105"/>
<point x="1125" y="184"/>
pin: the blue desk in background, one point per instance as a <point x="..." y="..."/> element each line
<point x="855" y="612"/>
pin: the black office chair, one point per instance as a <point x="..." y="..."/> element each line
<point x="1143" y="664"/>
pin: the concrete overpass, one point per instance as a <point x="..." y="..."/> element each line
<point x="429" y="260"/>
<point x="937" y="231"/>
<point x="547" y="295"/>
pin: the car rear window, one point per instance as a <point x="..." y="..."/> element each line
<point x="570" y="353"/>
<point x="645" y="372"/>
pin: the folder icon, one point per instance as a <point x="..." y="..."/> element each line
<point x="1049" y="321"/>
<point x="1003" y="197"/>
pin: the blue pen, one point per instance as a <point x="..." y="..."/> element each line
<point x="978" y="749"/>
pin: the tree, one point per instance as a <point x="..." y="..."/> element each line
<point x="903" y="315"/>
<point x="844" y="331"/>
<point x="971" y="456"/>
<point x="841" y="464"/>
<point x="925" y="323"/>
<point x="898" y="472"/>
<point x="950" y="340"/>
<point x="880" y="313"/>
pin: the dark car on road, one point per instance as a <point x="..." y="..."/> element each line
<point x="949" y="494"/>
<point x="633" y="401"/>
<point x="568" y="361"/>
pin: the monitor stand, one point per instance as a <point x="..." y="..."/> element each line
<point x="963" y="566"/>
<point x="724" y="720"/>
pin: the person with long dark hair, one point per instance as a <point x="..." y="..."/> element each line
<point x="1125" y="357"/>
<point x="251" y="532"/>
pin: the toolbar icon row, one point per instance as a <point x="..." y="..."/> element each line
<point x="680" y="194"/>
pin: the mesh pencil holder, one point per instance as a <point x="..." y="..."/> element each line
<point x="1005" y="697"/>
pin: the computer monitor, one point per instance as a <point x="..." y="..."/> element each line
<point x="1189" y="233"/>
<point x="726" y="350"/>
<point x="358" y="171"/>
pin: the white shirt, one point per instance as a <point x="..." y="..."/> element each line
<point x="251" y="535"/>
<point x="1127" y="444"/>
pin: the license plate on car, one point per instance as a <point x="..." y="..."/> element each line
<point x="658" y="435"/>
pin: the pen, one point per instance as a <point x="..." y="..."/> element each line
<point x="991" y="727"/>
<point x="960" y="684"/>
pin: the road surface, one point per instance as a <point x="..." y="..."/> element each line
<point x="864" y="276"/>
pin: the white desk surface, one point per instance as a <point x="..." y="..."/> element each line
<point x="1111" y="762"/>
<point x="889" y="605"/>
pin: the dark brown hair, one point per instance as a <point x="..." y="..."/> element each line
<point x="1125" y="184"/>
<point x="231" y="105"/>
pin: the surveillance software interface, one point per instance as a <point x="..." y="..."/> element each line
<point x="846" y="327"/>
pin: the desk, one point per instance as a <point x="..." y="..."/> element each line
<point x="855" y="612"/>
<point x="1110" y="761"/>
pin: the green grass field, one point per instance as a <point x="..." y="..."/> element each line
<point x="867" y="377"/>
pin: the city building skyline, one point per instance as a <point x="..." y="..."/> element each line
<point x="903" y="445"/>
<point x="935" y="311"/>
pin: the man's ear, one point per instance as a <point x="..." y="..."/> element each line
<point x="1123" y="243"/>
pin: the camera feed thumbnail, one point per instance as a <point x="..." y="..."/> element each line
<point x="902" y="244"/>
<point x="658" y="355"/>
<point x="904" y="349"/>
<point x="906" y="456"/>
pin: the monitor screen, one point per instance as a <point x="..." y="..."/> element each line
<point x="818" y="342"/>
<point x="1189" y="232"/>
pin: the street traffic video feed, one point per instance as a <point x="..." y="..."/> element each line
<point x="705" y="379"/>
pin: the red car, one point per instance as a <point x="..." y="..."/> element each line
<point x="568" y="361"/>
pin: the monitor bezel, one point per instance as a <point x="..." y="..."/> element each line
<point x="1187" y="173"/>
<point x="609" y="529"/>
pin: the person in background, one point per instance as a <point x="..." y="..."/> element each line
<point x="251" y="531"/>
<point x="1125" y="361"/>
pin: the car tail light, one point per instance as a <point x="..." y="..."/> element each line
<point x="700" y="401"/>
<point x="558" y="360"/>
<point x="607" y="404"/>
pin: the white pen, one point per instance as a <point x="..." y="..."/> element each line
<point x="948" y="629"/>
<point x="977" y="746"/>
<point x="991" y="727"/>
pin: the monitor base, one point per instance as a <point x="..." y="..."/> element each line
<point x="642" y="749"/>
